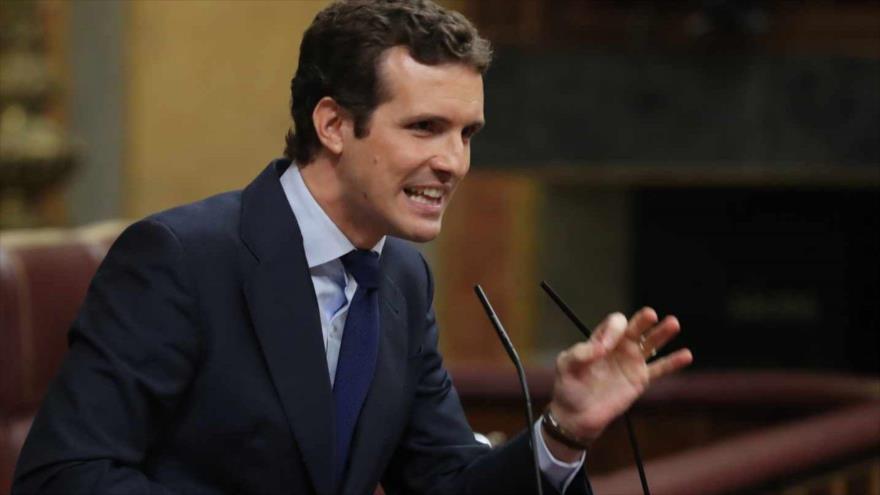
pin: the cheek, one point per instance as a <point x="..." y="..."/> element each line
<point x="379" y="182"/>
<point x="406" y="153"/>
<point x="394" y="171"/>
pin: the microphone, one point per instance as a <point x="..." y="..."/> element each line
<point x="508" y="346"/>
<point x="629" y="428"/>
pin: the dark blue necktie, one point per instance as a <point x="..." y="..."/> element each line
<point x="358" y="351"/>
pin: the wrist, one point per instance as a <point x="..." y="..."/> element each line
<point x="558" y="451"/>
<point x="561" y="441"/>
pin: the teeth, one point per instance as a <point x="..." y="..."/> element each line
<point x="422" y="199"/>
<point x="432" y="193"/>
<point x="427" y="195"/>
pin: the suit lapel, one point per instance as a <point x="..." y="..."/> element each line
<point x="284" y="311"/>
<point x="383" y="404"/>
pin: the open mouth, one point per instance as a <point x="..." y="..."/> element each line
<point x="426" y="195"/>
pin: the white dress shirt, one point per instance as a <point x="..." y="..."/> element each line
<point x="324" y="245"/>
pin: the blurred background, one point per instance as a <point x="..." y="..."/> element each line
<point x="718" y="160"/>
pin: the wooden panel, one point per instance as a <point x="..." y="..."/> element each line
<point x="488" y="239"/>
<point x="208" y="94"/>
<point x="849" y="28"/>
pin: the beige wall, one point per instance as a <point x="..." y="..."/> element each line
<point x="207" y="89"/>
<point x="207" y="95"/>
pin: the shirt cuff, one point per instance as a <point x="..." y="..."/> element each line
<point x="558" y="473"/>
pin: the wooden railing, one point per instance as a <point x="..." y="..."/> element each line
<point x="702" y="433"/>
<point x="757" y="458"/>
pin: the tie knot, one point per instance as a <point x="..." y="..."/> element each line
<point x="363" y="265"/>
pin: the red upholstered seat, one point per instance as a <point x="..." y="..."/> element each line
<point x="44" y="274"/>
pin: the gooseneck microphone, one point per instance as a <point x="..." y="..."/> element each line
<point x="586" y="331"/>
<point x="508" y="346"/>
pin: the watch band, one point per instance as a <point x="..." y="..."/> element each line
<point x="550" y="424"/>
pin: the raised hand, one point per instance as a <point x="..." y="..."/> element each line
<point x="599" y="379"/>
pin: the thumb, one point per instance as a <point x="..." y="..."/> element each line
<point x="610" y="331"/>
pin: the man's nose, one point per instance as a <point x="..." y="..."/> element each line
<point x="454" y="158"/>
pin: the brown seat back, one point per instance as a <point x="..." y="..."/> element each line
<point x="44" y="274"/>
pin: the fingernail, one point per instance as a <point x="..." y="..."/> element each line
<point x="609" y="338"/>
<point x="608" y="341"/>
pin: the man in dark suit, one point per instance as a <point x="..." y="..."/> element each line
<point x="281" y="339"/>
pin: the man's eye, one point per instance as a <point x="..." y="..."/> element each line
<point x="423" y="126"/>
<point x="469" y="132"/>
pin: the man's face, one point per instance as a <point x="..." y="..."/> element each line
<point x="399" y="178"/>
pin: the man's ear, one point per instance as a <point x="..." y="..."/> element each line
<point x="330" y="120"/>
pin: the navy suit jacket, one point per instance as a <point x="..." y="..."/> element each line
<point x="196" y="365"/>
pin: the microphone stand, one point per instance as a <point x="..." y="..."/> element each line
<point x="629" y="428"/>
<point x="508" y="346"/>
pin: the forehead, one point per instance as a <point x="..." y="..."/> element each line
<point x="454" y="90"/>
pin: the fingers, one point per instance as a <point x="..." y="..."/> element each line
<point x="611" y="330"/>
<point x="606" y="337"/>
<point x="641" y="323"/>
<point x="641" y="337"/>
<point x="669" y="364"/>
<point x="650" y="335"/>
<point x="660" y="335"/>
<point x="578" y="355"/>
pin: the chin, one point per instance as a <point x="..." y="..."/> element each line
<point x="419" y="233"/>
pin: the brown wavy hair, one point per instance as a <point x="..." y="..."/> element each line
<point x="341" y="50"/>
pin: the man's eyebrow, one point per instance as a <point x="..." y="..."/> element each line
<point x="478" y="124"/>
<point x="427" y="116"/>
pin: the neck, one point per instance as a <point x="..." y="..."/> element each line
<point x="320" y="178"/>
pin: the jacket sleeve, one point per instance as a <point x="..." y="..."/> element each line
<point x="438" y="453"/>
<point x="132" y="352"/>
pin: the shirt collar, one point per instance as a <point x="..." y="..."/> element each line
<point x="322" y="239"/>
